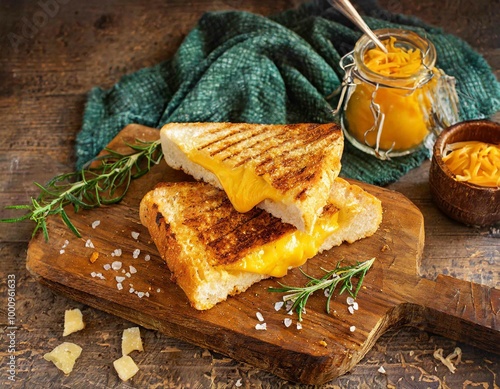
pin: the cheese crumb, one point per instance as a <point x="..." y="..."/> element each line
<point x="64" y="356"/>
<point x="73" y="321"/>
<point x="131" y="340"/>
<point x="238" y="383"/>
<point x="125" y="367"/>
<point x="381" y="370"/>
<point x="448" y="361"/>
<point x="93" y="257"/>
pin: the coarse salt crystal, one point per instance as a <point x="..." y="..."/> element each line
<point x="99" y="275"/>
<point x="147" y="257"/>
<point x="89" y="243"/>
<point x="352" y="328"/>
<point x="117" y="253"/>
<point x="261" y="326"/>
<point x="259" y="316"/>
<point x="133" y="270"/>
<point x="140" y="294"/>
<point x="350" y="309"/>
<point x="355" y="306"/>
<point x="128" y="274"/>
<point x="350" y="300"/>
<point x="61" y="251"/>
<point x="119" y="279"/>
<point x="119" y="286"/>
<point x="131" y="290"/>
<point x="381" y="370"/>
<point x="158" y="290"/>
<point x="299" y="326"/>
<point x="93" y="274"/>
<point x="278" y="305"/>
<point x="326" y="292"/>
<point x="135" y="235"/>
<point x="66" y="243"/>
<point x="116" y="265"/>
<point x="146" y="294"/>
<point x="136" y="253"/>
<point x="107" y="266"/>
<point x="287" y="322"/>
<point x="238" y="383"/>
<point x="95" y="224"/>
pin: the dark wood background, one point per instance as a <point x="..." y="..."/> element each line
<point x="44" y="78"/>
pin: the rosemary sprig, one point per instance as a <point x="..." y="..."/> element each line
<point x="104" y="180"/>
<point x="342" y="276"/>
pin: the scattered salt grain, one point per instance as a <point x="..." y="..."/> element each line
<point x="95" y="224"/>
<point x="352" y="328"/>
<point x="117" y="253"/>
<point x="135" y="235"/>
<point x="350" y="300"/>
<point x="350" y="309"/>
<point x="66" y="243"/>
<point x="61" y="251"/>
<point x="259" y="316"/>
<point x="133" y="270"/>
<point x="287" y="322"/>
<point x="140" y="295"/>
<point x="119" y="279"/>
<point x="147" y="257"/>
<point x="123" y="271"/>
<point x="136" y="253"/>
<point x="128" y="274"/>
<point x="119" y="286"/>
<point x="99" y="275"/>
<point x="299" y="326"/>
<point x="261" y="326"/>
<point x="146" y="294"/>
<point x="326" y="292"/>
<point x="278" y="305"/>
<point x="355" y="306"/>
<point x="131" y="290"/>
<point x="381" y="370"/>
<point x="238" y="383"/>
<point x="116" y="265"/>
<point x="89" y="243"/>
<point x="93" y="274"/>
<point x="107" y="266"/>
<point x="158" y="290"/>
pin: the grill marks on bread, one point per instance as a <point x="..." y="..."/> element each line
<point x="290" y="155"/>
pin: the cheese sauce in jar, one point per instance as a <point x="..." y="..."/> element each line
<point x="396" y="101"/>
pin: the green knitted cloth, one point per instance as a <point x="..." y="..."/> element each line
<point x="240" y="67"/>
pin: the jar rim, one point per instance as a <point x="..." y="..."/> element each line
<point x="408" y="39"/>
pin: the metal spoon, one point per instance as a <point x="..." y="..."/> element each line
<point x="350" y="12"/>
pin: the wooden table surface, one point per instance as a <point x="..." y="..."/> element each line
<point x="44" y="78"/>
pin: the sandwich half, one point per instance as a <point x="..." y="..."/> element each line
<point x="214" y="251"/>
<point x="287" y="170"/>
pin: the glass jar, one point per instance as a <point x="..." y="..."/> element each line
<point x="394" y="115"/>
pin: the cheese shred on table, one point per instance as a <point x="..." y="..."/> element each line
<point x="475" y="162"/>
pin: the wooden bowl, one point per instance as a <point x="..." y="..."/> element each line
<point x="467" y="203"/>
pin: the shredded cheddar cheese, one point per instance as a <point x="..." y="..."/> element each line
<point x="398" y="61"/>
<point x="475" y="162"/>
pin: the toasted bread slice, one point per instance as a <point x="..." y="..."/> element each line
<point x="213" y="251"/>
<point x="287" y="170"/>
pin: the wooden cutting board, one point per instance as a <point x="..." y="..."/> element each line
<point x="393" y="292"/>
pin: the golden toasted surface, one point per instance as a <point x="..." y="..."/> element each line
<point x="293" y="156"/>
<point x="227" y="234"/>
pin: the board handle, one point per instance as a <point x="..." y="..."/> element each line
<point x="459" y="310"/>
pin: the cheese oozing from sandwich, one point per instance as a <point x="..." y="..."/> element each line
<point x="243" y="187"/>
<point x="292" y="250"/>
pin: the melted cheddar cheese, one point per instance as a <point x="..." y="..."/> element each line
<point x="475" y="162"/>
<point x="243" y="187"/>
<point x="292" y="250"/>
